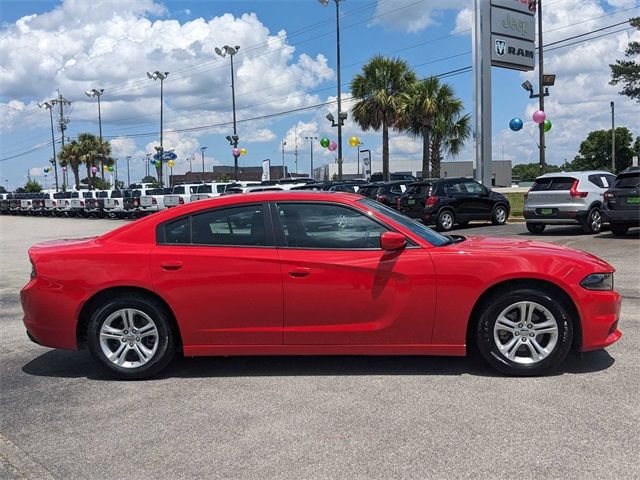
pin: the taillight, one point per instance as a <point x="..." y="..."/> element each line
<point x="53" y="203"/>
<point x="135" y="203"/>
<point x="431" y="201"/>
<point x="66" y="203"/>
<point x="116" y="202"/>
<point x="181" y="200"/>
<point x="33" y="269"/>
<point x="398" y="200"/>
<point x="154" y="201"/>
<point x="82" y="204"/>
<point x="573" y="191"/>
<point x="608" y="195"/>
<point x="380" y="198"/>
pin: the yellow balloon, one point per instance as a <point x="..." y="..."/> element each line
<point x="243" y="151"/>
<point x="171" y="163"/>
<point x="354" y="141"/>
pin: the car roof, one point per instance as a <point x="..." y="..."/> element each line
<point x="575" y="174"/>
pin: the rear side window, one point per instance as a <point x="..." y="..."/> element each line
<point x="454" y="188"/>
<point x="552" y="184"/>
<point x="221" y="188"/>
<point x="238" y="226"/>
<point x="418" y="190"/>
<point x="178" y="190"/>
<point x="473" y="187"/>
<point x="178" y="232"/>
<point x="627" y="181"/>
<point x="602" y="180"/>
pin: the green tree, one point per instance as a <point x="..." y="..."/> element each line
<point x="377" y="91"/>
<point x="528" y="172"/>
<point x="595" y="151"/>
<point x="151" y="179"/>
<point x="2" y="189"/>
<point x="70" y="155"/>
<point x="636" y="146"/>
<point x="627" y="72"/>
<point x="32" y="187"/>
<point x="450" y="132"/>
<point x="93" y="153"/>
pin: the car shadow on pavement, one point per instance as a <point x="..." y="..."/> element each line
<point x="68" y="364"/>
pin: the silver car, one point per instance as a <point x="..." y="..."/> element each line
<point x="567" y="198"/>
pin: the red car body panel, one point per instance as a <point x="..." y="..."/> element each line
<point x="287" y="301"/>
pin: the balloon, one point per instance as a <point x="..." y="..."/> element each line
<point x="243" y="151"/>
<point x="354" y="141"/>
<point x="332" y="146"/>
<point x="64" y="169"/>
<point x="539" y="116"/>
<point x="515" y="124"/>
<point x="235" y="152"/>
<point x="171" y="163"/>
<point x="324" y="142"/>
<point x="152" y="161"/>
<point x="94" y="169"/>
<point x="547" y="125"/>
<point x="46" y="169"/>
<point x="110" y="168"/>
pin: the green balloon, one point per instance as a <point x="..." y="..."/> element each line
<point x="547" y="125"/>
<point x="324" y="142"/>
<point x="111" y="168"/>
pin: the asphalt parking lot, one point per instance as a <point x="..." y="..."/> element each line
<point x="316" y="417"/>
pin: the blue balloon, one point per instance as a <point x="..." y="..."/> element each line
<point x="516" y="124"/>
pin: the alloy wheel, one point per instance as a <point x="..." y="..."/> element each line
<point x="526" y="333"/>
<point x="446" y="220"/>
<point x="129" y="338"/>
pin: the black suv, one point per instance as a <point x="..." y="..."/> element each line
<point x="448" y="201"/>
<point x="621" y="206"/>
<point x="377" y="177"/>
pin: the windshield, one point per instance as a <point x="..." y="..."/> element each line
<point x="178" y="190"/>
<point x="419" y="229"/>
<point x="627" y="181"/>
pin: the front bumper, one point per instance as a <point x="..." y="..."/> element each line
<point x="600" y="313"/>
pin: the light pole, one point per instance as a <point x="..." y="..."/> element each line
<point x="160" y="76"/>
<point x="49" y="106"/>
<point x="311" y="140"/>
<point x="94" y="92"/>
<point x="546" y="81"/>
<point x="128" y="172"/>
<point x="202" y="149"/>
<point x="341" y="116"/>
<point x="283" y="170"/>
<point x="231" y="51"/>
<point x="146" y="164"/>
<point x="613" y="139"/>
<point x="359" y="145"/>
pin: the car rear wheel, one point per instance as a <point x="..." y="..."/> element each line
<point x="593" y="223"/>
<point x="525" y="333"/>
<point x="445" y="220"/>
<point x="499" y="216"/>
<point x="131" y="337"/>
<point x="619" y="229"/>
<point x="536" y="227"/>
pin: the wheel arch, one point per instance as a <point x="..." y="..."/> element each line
<point x="108" y="293"/>
<point x="535" y="283"/>
<point x="503" y="204"/>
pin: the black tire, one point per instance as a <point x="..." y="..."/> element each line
<point x="619" y="229"/>
<point x="499" y="215"/>
<point x="593" y="222"/>
<point x="166" y="342"/>
<point x="536" y="228"/>
<point x="486" y="336"/>
<point x="445" y="221"/>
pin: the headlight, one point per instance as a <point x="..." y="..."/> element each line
<point x="598" y="281"/>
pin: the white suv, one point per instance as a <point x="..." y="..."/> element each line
<point x="567" y="198"/>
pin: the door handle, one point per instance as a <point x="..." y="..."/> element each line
<point x="299" y="272"/>
<point x="173" y="265"/>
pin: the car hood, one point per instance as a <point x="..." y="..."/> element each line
<point x="511" y="246"/>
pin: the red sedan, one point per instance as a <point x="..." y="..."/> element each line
<point x="297" y="273"/>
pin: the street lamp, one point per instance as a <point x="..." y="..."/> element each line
<point x="49" y="106"/>
<point x="341" y="116"/>
<point x="160" y="76"/>
<point x="283" y="170"/>
<point x="94" y="92"/>
<point x="359" y="145"/>
<point x="202" y="149"/>
<point x="223" y="52"/>
<point x="613" y="138"/>
<point x="128" y="172"/>
<point x="311" y="140"/>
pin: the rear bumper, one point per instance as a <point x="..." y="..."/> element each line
<point x="569" y="217"/>
<point x="600" y="315"/>
<point x="627" y="216"/>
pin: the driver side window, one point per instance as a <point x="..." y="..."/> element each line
<point x="323" y="226"/>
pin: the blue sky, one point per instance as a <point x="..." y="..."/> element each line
<point x="97" y="53"/>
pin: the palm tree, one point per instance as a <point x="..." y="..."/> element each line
<point x="424" y="104"/>
<point x="377" y="91"/>
<point x="70" y="155"/>
<point x="450" y="133"/>
<point x="94" y="154"/>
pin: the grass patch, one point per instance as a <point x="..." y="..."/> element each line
<point x="516" y="200"/>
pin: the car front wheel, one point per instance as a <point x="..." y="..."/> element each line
<point x="131" y="337"/>
<point x="525" y="333"/>
<point x="536" y="228"/>
<point x="499" y="216"/>
<point x="593" y="223"/>
<point x="445" y="220"/>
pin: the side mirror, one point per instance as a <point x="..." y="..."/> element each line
<point x="392" y="241"/>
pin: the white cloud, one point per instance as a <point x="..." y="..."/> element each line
<point x="464" y="20"/>
<point x="411" y="16"/>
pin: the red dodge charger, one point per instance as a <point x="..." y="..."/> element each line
<point x="297" y="273"/>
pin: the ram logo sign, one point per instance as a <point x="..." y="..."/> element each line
<point x="512" y="53"/>
<point x="501" y="47"/>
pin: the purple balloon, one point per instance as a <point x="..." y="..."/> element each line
<point x="539" y="116"/>
<point x="235" y="152"/>
<point x="94" y="169"/>
<point x="332" y="146"/>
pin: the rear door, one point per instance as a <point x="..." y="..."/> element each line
<point x="479" y="203"/>
<point x="219" y="271"/>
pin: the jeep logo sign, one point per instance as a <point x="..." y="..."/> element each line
<point x="513" y="24"/>
<point x="512" y="53"/>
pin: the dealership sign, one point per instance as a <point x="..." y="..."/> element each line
<point x="512" y="34"/>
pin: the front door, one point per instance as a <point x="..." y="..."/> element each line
<point x="341" y="288"/>
<point x="219" y="271"/>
